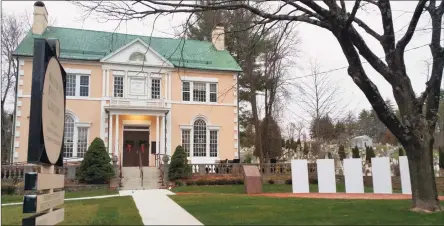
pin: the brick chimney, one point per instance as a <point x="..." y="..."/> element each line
<point x="218" y="37"/>
<point x="40" y="18"/>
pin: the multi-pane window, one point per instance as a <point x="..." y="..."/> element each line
<point x="69" y="136"/>
<point x="199" y="92"/>
<point x="186" y="91"/>
<point x="118" y="86"/>
<point x="213" y="92"/>
<point x="70" y="85"/>
<point x="213" y="143"/>
<point x="203" y="138"/>
<point x="186" y="141"/>
<point x="199" y="138"/>
<point x="155" y="88"/>
<point x="84" y="86"/>
<point x="77" y="85"/>
<point x="75" y="138"/>
<point x="82" y="141"/>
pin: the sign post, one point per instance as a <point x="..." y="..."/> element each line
<point x="46" y="129"/>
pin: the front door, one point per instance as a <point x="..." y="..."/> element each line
<point x="135" y="148"/>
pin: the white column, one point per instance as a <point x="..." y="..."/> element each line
<point x="125" y="85"/>
<point x="162" y="136"/>
<point x="103" y="82"/>
<point x="165" y="85"/>
<point x="107" y="83"/>
<point x="157" y="134"/>
<point x="110" y="137"/>
<point x="169" y="86"/>
<point x="116" y="137"/>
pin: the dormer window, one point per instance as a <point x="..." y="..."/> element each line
<point x="137" y="56"/>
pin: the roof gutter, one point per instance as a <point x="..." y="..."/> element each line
<point x="238" y="132"/>
<point x="11" y="154"/>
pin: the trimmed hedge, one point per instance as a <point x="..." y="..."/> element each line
<point x="8" y="189"/>
<point x="210" y="180"/>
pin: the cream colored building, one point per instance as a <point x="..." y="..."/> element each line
<point x="138" y="93"/>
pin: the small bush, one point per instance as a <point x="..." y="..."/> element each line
<point x="179" y="168"/>
<point x="341" y="152"/>
<point x="289" y="181"/>
<point x="179" y="183"/>
<point x="8" y="189"/>
<point x="401" y="151"/>
<point x="96" y="166"/>
<point x="355" y="152"/>
<point x="271" y="181"/>
<point x="369" y="154"/>
<point x="313" y="180"/>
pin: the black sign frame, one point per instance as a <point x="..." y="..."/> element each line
<point x="44" y="50"/>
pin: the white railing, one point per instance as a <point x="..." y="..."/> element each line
<point x="129" y="102"/>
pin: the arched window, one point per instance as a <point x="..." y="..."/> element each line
<point x="137" y="56"/>
<point x="69" y="136"/>
<point x="75" y="137"/>
<point x="200" y="138"/>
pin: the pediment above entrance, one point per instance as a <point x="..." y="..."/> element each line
<point x="137" y="52"/>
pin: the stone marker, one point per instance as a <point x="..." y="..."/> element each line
<point x="252" y="179"/>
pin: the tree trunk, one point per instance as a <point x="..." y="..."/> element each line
<point x="422" y="176"/>
<point x="257" y="132"/>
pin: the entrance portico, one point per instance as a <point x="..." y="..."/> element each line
<point x="133" y="130"/>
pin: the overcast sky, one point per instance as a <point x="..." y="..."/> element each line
<point x="315" y="44"/>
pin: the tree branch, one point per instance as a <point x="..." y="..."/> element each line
<point x="371" y="58"/>
<point x="367" y="29"/>
<point x="352" y="15"/>
<point x="402" y="43"/>
<point x="388" y="39"/>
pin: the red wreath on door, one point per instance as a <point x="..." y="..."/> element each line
<point x="128" y="147"/>
<point x="142" y="147"/>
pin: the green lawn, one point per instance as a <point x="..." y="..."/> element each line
<point x="109" y="211"/>
<point x="267" y="188"/>
<point x="226" y="209"/>
<point x="76" y="194"/>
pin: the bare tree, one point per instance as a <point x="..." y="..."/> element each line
<point x="12" y="33"/>
<point x="318" y="96"/>
<point x="417" y="124"/>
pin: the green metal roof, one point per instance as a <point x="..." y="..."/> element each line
<point x="81" y="44"/>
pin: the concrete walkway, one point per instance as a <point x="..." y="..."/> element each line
<point x="156" y="208"/>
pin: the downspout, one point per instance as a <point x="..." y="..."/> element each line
<point x="238" y="132"/>
<point x="11" y="154"/>
<point x="165" y="131"/>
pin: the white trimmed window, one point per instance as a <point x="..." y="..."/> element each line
<point x="186" y="91"/>
<point x="213" y="92"/>
<point x="201" y="91"/>
<point x="82" y="141"/>
<point x="75" y="138"/>
<point x="70" y="85"/>
<point x="186" y="141"/>
<point x="155" y="88"/>
<point x="213" y="143"/>
<point x="118" y="86"/>
<point x="200" y="140"/>
<point x="77" y="85"/>
<point x="69" y="136"/>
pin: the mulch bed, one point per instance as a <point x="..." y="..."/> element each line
<point x="324" y="195"/>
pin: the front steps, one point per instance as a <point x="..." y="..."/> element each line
<point x="131" y="178"/>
